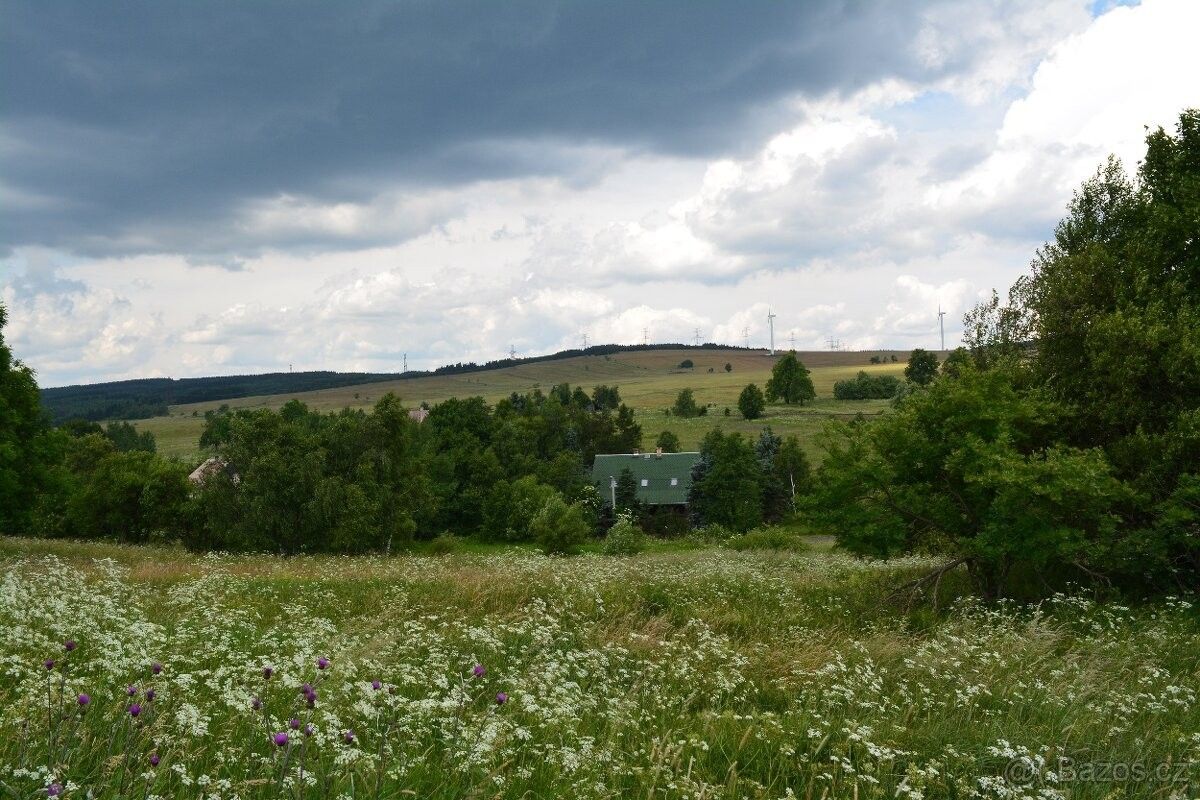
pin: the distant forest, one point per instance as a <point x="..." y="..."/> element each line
<point x="150" y="397"/>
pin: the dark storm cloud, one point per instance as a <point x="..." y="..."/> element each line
<point x="144" y="127"/>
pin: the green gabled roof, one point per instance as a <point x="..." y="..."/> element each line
<point x="656" y="470"/>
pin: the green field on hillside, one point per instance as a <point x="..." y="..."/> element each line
<point x="649" y="381"/>
<point x="691" y="674"/>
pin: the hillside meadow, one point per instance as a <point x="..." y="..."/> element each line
<point x="649" y="381"/>
<point x="684" y="673"/>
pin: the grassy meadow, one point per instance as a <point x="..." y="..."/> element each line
<point x="649" y="382"/>
<point x="681" y="673"/>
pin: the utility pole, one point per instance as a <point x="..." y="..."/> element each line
<point x="612" y="486"/>
<point x="645" y="336"/>
<point x="512" y="352"/>
<point x="696" y="338"/>
<point x="746" y="336"/>
<point x="405" y="363"/>
<point x="585" y="340"/>
<point x="942" y="326"/>
<point x="771" y="325"/>
<point x="792" y="339"/>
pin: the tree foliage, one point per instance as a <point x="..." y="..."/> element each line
<point x="865" y="386"/>
<point x="790" y="382"/>
<point x="668" y="442"/>
<point x="751" y="402"/>
<point x="922" y="367"/>
<point x="685" y="404"/>
<point x="28" y="450"/>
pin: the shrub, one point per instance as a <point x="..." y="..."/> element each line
<point x="559" y="528"/>
<point x="686" y="364"/>
<point x="867" y="387"/>
<point x="624" y="538"/>
<point x="771" y="537"/>
<point x="443" y="544"/>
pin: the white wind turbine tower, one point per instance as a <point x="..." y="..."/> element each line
<point x="771" y="324"/>
<point x="942" y="326"/>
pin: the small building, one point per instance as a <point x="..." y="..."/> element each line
<point x="663" y="479"/>
<point x="210" y="467"/>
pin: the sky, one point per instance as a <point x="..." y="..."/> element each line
<point x="222" y="188"/>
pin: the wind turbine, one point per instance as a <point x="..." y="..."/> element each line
<point x="771" y="325"/>
<point x="942" y="326"/>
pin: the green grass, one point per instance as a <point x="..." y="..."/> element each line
<point x="702" y="673"/>
<point x="649" y="382"/>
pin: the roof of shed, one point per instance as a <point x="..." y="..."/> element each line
<point x="657" y="470"/>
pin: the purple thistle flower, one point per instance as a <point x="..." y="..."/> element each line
<point x="349" y="737"/>
<point x="135" y="709"/>
<point x="156" y="667"/>
<point x="501" y="698"/>
<point x="69" y="645"/>
<point x="154" y="759"/>
<point x="479" y="671"/>
<point x="294" y="724"/>
<point x="131" y="691"/>
<point x="322" y="663"/>
<point x="48" y="663"/>
<point x="150" y="695"/>
<point x="256" y="703"/>
<point x="376" y="685"/>
<point x="54" y="790"/>
<point x="306" y="688"/>
<point x="267" y="673"/>
<point x="84" y="700"/>
<point x="309" y="729"/>
<point x="280" y="738"/>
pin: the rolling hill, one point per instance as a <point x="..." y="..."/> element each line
<point x="649" y="379"/>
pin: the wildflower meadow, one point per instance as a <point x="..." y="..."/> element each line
<point x="150" y="673"/>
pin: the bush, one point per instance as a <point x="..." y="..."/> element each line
<point x="624" y="538"/>
<point x="772" y="537"/>
<point x="867" y="387"/>
<point x="443" y="544"/>
<point x="559" y="528"/>
<point x="686" y="364"/>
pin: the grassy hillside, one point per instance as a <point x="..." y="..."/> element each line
<point x="701" y="674"/>
<point x="649" y="381"/>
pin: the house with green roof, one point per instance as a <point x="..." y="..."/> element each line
<point x="663" y="479"/>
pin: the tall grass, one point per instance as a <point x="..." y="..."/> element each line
<point x="691" y="674"/>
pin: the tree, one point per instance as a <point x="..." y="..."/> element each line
<point x="1112" y="309"/>
<point x="626" y="492"/>
<point x="686" y="364"/>
<point x="28" y="451"/>
<point x="728" y="367"/>
<point x="751" y="402"/>
<point x="922" y="367"/>
<point x="790" y="381"/>
<point x="793" y="471"/>
<point x="605" y="398"/>
<point x="970" y="468"/>
<point x="685" y="404"/>
<point x="726" y="483"/>
<point x="511" y="508"/>
<point x="127" y="438"/>
<point x="668" y="442"/>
